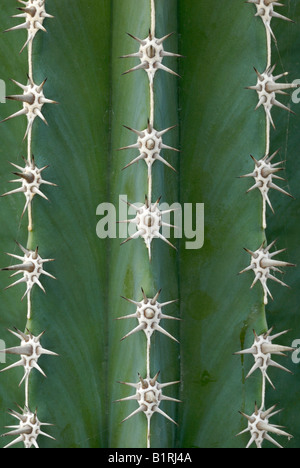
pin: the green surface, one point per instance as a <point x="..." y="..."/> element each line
<point x="217" y="132"/>
<point x="76" y="145"/>
<point x="129" y="265"/>
<point x="284" y="226"/>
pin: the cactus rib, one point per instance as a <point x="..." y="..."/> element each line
<point x="148" y="223"/>
<point x="32" y="266"/>
<point x="262" y="260"/>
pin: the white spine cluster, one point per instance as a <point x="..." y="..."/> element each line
<point x="260" y="427"/>
<point x="149" y="314"/>
<point x="151" y="55"/>
<point x="34" y="14"/>
<point x="32" y="264"/>
<point x="30" y="350"/>
<point x="149" y="395"/>
<point x="33" y="100"/>
<point x="262" y="350"/>
<point x="148" y="222"/>
<point x="267" y="88"/>
<point x="263" y="264"/>
<point x="32" y="267"/>
<point x="28" y="430"/>
<point x="264" y="174"/>
<point x="265" y="10"/>
<point x="150" y="144"/>
<point x="31" y="179"/>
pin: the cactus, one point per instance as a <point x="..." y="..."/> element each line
<point x="33" y="13"/>
<point x="262" y="260"/>
<point x="123" y="92"/>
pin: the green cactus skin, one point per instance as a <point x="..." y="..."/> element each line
<point x="217" y="132"/>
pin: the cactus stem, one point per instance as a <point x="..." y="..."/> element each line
<point x="30" y="178"/>
<point x="148" y="219"/>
